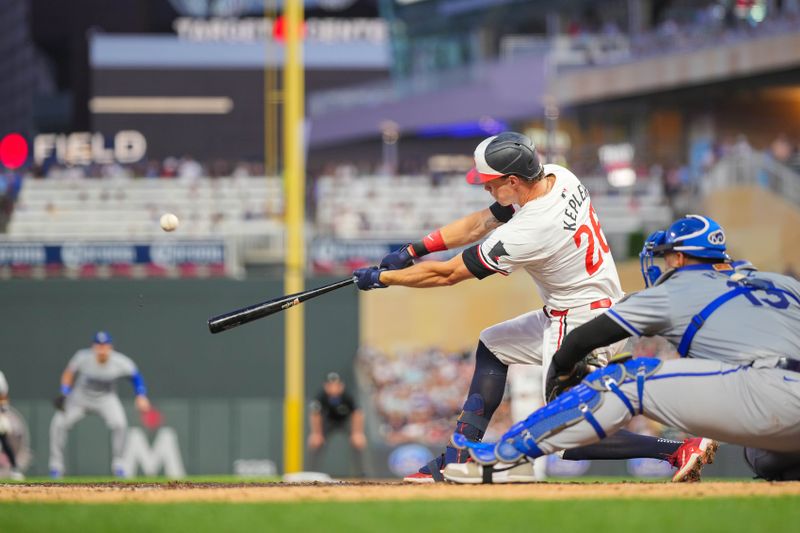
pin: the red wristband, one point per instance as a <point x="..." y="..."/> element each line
<point x="432" y="242"/>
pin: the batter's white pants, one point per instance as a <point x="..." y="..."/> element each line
<point x="76" y="407"/>
<point x="533" y="338"/>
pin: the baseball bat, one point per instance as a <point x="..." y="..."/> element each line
<point x="247" y="314"/>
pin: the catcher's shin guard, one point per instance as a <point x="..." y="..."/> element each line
<point x="568" y="409"/>
<point x="523" y="438"/>
<point x="573" y="406"/>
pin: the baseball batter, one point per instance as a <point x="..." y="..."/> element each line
<point x="5" y="430"/>
<point x="738" y="333"/>
<point x="88" y="385"/>
<point x="555" y="236"/>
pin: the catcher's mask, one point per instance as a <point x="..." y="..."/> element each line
<point x="693" y="235"/>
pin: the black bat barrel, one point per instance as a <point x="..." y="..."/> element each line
<point x="270" y="307"/>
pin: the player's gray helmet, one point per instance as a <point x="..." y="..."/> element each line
<point x="503" y="155"/>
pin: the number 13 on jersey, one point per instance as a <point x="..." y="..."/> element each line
<point x="593" y="235"/>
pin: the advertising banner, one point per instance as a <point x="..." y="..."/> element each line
<point x="118" y="257"/>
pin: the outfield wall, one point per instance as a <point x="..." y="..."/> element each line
<point x="222" y="394"/>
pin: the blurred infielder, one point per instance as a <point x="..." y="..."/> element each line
<point x="556" y="237"/>
<point x="5" y="430"/>
<point x="738" y="379"/>
<point x="94" y="391"/>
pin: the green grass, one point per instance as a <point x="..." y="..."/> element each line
<point x="753" y="514"/>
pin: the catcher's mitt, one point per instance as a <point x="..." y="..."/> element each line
<point x="559" y="383"/>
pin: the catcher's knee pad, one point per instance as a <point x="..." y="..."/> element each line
<point x="633" y="370"/>
<point x="575" y="405"/>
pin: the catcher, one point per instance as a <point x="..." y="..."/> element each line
<point x="738" y="378"/>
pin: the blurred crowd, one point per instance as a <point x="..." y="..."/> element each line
<point x="417" y="394"/>
<point x="184" y="168"/>
<point x="599" y="39"/>
<point x="10" y="185"/>
<point x="704" y="24"/>
<point x="672" y="183"/>
<point x="786" y="150"/>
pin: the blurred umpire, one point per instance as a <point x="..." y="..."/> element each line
<point x="88" y="384"/>
<point x="329" y="412"/>
<point x="5" y="430"/>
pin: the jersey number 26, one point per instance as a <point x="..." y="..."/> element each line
<point x="592" y="234"/>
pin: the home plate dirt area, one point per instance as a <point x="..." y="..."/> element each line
<point x="377" y="491"/>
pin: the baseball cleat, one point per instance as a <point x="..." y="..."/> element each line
<point x="690" y="458"/>
<point x="16" y="475"/>
<point x="55" y="473"/>
<point x="474" y="473"/>
<point x="424" y="474"/>
<point x="419" y="477"/>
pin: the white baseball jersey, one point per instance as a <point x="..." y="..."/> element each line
<point x="557" y="239"/>
<point x="96" y="379"/>
<point x="3" y="384"/>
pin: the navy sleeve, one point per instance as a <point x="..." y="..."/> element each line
<point x="472" y="260"/>
<point x="502" y="213"/>
<point x="598" y="332"/>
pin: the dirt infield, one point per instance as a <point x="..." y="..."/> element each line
<point x="360" y="491"/>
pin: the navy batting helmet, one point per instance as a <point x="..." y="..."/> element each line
<point x="506" y="154"/>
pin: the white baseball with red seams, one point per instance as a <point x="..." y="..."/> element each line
<point x="169" y="222"/>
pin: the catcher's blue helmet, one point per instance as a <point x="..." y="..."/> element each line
<point x="693" y="235"/>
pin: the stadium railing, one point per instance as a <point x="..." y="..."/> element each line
<point x="751" y="167"/>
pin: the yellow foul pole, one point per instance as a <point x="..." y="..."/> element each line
<point x="294" y="185"/>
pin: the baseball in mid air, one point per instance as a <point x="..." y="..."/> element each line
<point x="169" y="222"/>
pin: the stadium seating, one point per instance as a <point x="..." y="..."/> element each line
<point x="249" y="210"/>
<point x="130" y="208"/>
<point x="405" y="207"/>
